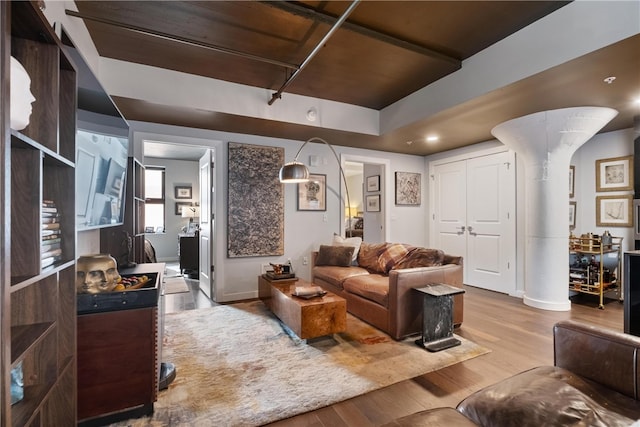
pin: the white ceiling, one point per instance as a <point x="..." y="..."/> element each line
<point x="165" y="150"/>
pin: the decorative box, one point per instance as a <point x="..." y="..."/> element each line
<point x="145" y="296"/>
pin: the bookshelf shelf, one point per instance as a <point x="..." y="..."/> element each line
<point x="38" y="299"/>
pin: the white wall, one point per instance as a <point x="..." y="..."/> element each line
<point x="304" y="231"/>
<point x="604" y="146"/>
<point x="182" y="173"/>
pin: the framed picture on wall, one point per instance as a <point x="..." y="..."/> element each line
<point x="312" y="195"/>
<point x="614" y="174"/>
<point x="572" y="215"/>
<point x="614" y="211"/>
<point x="373" y="203"/>
<point x="572" y="181"/>
<point x="408" y="191"/>
<point x="183" y="192"/>
<point x="373" y="183"/>
<point x="179" y="206"/>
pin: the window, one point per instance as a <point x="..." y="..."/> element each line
<point x="154" y="207"/>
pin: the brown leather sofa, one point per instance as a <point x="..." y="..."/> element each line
<point x="386" y="299"/>
<point x="595" y="381"/>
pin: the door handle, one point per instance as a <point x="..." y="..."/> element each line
<point x="471" y="230"/>
<point x="461" y="229"/>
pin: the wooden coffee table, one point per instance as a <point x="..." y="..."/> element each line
<point x="307" y="318"/>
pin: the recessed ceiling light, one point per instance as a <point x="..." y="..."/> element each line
<point x="409" y="142"/>
<point x="609" y="80"/>
<point x="433" y="138"/>
<point x="312" y="114"/>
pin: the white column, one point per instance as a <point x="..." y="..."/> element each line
<point x="546" y="141"/>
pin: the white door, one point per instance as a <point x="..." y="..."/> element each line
<point x="474" y="216"/>
<point x="207" y="224"/>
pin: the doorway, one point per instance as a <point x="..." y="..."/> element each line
<point x="181" y="164"/>
<point x="375" y="220"/>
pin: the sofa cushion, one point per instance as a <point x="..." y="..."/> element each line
<point x="549" y="395"/>
<point x="335" y="255"/>
<point x="337" y="275"/>
<point x="420" y="257"/>
<point x="368" y="256"/>
<point x="374" y="287"/>
<point x="392" y="254"/>
<point x="349" y="241"/>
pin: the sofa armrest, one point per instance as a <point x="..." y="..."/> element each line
<point x="405" y="304"/>
<point x="607" y="357"/>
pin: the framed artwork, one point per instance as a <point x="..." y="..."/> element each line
<point x="255" y="201"/>
<point x="614" y="174"/>
<point x="614" y="211"/>
<point x="312" y="195"/>
<point x="183" y="192"/>
<point x="373" y="183"/>
<point x="373" y="203"/>
<point x="572" y="214"/>
<point x="179" y="206"/>
<point x="572" y="181"/>
<point x="408" y="190"/>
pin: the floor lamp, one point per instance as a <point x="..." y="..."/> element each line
<point x="296" y="172"/>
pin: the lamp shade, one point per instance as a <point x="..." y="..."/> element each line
<point x="191" y="212"/>
<point x="294" y="172"/>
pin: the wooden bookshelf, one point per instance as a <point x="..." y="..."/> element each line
<point x="37" y="318"/>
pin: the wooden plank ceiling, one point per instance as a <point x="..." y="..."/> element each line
<point x="385" y="51"/>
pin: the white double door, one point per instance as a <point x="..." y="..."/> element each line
<point x="473" y="215"/>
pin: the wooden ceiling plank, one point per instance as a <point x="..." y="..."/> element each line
<point x="176" y="38"/>
<point x="307" y="12"/>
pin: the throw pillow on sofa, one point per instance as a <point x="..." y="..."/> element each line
<point x="421" y="257"/>
<point x="355" y="242"/>
<point x="393" y="254"/>
<point x="339" y="256"/>
<point x="368" y="256"/>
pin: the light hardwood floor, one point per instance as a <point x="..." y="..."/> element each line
<point x="519" y="337"/>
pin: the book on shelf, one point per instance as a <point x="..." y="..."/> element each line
<point x="45" y="247"/>
<point x="50" y="218"/>
<point x="46" y="262"/>
<point x="51" y="234"/>
<point x="51" y="253"/>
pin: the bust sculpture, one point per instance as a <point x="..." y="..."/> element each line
<point x="96" y="274"/>
<point x="20" y="96"/>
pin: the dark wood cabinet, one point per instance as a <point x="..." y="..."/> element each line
<point x="631" y="294"/>
<point x="189" y="254"/>
<point x="119" y="353"/>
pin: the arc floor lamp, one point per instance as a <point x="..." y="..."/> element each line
<point x="296" y="172"/>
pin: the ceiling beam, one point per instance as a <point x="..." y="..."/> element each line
<point x="320" y="45"/>
<point x="316" y="15"/>
<point x="180" y="39"/>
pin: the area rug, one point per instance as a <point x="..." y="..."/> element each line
<point x="175" y="285"/>
<point x="236" y="366"/>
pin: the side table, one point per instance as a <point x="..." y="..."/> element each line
<point x="437" y="317"/>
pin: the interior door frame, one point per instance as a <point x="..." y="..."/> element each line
<point x="514" y="291"/>
<point x="386" y="203"/>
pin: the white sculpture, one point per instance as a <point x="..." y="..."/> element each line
<point x="20" y="95"/>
